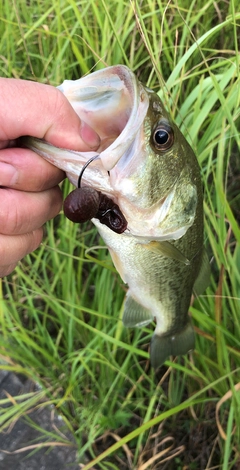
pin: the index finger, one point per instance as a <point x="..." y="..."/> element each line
<point x="31" y="108"/>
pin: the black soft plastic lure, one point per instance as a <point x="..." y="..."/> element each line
<point x="84" y="203"/>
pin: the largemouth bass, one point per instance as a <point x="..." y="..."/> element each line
<point x="148" y="172"/>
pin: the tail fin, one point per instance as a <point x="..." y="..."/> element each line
<point x="174" y="344"/>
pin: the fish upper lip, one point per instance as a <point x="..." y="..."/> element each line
<point x="129" y="131"/>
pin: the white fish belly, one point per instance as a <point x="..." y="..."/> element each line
<point x="140" y="270"/>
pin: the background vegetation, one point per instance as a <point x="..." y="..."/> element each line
<point x="60" y="311"/>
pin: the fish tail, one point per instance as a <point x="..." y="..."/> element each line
<point x="175" y="344"/>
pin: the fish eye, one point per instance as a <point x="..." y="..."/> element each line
<point x="163" y="136"/>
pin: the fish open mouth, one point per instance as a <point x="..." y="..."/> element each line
<point x="114" y="103"/>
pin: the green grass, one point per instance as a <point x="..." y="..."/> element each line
<point x="60" y="311"/>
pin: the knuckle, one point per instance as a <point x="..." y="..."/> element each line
<point x="9" y="214"/>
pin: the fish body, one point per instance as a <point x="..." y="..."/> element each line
<point x="145" y="165"/>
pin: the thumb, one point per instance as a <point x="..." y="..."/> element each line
<point x="30" y="108"/>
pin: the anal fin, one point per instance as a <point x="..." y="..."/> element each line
<point x="135" y="315"/>
<point x="175" y="344"/>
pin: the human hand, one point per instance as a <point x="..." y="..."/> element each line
<point x="29" y="195"/>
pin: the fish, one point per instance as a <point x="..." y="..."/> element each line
<point x="146" y="179"/>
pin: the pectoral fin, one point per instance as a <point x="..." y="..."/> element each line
<point x="175" y="344"/>
<point x="166" y="249"/>
<point x="135" y="315"/>
<point x="203" y="279"/>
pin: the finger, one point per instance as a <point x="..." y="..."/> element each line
<point x="42" y="111"/>
<point x="14" y="248"/>
<point x="23" y="212"/>
<point x="25" y="170"/>
<point x="6" y="270"/>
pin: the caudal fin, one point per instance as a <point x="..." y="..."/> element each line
<point x="174" y="344"/>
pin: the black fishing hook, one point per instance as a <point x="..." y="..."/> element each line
<point x="84" y="168"/>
